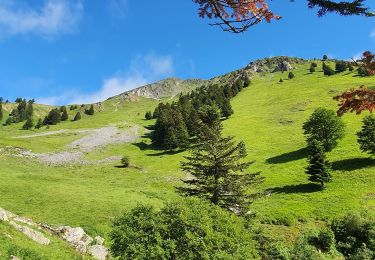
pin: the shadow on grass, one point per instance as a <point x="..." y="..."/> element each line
<point x="353" y="164"/>
<point x="289" y="157"/>
<point x="299" y="188"/>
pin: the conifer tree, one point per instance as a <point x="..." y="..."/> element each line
<point x="226" y="108"/>
<point x="90" y="111"/>
<point x="319" y="168"/>
<point x="77" y="116"/>
<point x="39" y="124"/>
<point x="215" y="163"/>
<point x="30" y="108"/>
<point x="28" y="124"/>
<point x="64" y="114"/>
<point x="148" y="115"/>
<point x="53" y="117"/>
<point x="9" y="121"/>
<point x="327" y="70"/>
<point x="366" y="137"/>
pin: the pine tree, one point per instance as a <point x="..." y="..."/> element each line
<point x="327" y="70"/>
<point x="214" y="164"/>
<point x="366" y="137"/>
<point x="30" y="108"/>
<point x="53" y="117"/>
<point x="28" y="124"/>
<point x="77" y="116"/>
<point x="148" y="115"/>
<point x="90" y="111"/>
<point x="226" y="108"/>
<point x="39" y="124"/>
<point x="64" y="114"/>
<point x="319" y="168"/>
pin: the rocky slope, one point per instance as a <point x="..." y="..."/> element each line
<point x="173" y="86"/>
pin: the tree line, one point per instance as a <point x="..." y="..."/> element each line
<point x="177" y="123"/>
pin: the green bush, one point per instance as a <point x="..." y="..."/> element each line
<point x="326" y="240"/>
<point x="125" y="161"/>
<point x="291" y="75"/>
<point x="185" y="229"/>
<point x="77" y="116"/>
<point x="355" y="235"/>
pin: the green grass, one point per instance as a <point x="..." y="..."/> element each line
<point x="268" y="117"/>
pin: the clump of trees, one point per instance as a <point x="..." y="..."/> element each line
<point x="366" y="137"/>
<point x="325" y="127"/>
<point x="177" y="123"/>
<point x="53" y="117"/>
<point x="184" y="229"/>
<point x="23" y="112"/>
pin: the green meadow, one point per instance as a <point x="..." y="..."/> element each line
<point x="268" y="117"/>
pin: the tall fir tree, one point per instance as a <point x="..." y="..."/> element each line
<point x="366" y="137"/>
<point x="217" y="164"/>
<point x="39" y="124"/>
<point x="28" y="124"/>
<point x="77" y="116"/>
<point x="64" y="113"/>
<point x="318" y="168"/>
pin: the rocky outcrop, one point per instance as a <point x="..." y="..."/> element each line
<point x="281" y="63"/>
<point x="74" y="236"/>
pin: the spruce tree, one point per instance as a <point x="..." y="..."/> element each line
<point x="64" y="114"/>
<point x="148" y="115"/>
<point x="226" y="109"/>
<point x="53" y="117"/>
<point x="366" y="137"/>
<point x="327" y="70"/>
<point x="77" y="116"/>
<point x="319" y="168"/>
<point x="28" y="124"/>
<point x="90" y="111"/>
<point x="39" y="124"/>
<point x="30" y="108"/>
<point x="217" y="165"/>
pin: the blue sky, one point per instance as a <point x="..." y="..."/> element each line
<point x="82" y="51"/>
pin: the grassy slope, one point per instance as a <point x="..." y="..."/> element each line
<point x="268" y="117"/>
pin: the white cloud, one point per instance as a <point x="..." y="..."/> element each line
<point x="54" y="17"/>
<point x="144" y="69"/>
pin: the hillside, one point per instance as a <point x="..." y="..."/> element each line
<point x="89" y="190"/>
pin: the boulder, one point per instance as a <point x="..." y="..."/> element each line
<point x="3" y="215"/>
<point x="99" y="252"/>
<point x="99" y="240"/>
<point x="31" y="233"/>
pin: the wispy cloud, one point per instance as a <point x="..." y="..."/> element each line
<point x="118" y="8"/>
<point x="53" y="18"/>
<point x="144" y="69"/>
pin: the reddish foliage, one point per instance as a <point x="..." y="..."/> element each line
<point x="356" y="100"/>
<point x="236" y="15"/>
<point x="369" y="62"/>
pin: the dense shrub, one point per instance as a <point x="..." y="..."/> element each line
<point x="291" y="75"/>
<point x="325" y="57"/>
<point x="186" y="229"/>
<point x="148" y="115"/>
<point x="90" y="111"/>
<point x="366" y="137"/>
<point x="341" y="66"/>
<point x="355" y="235"/>
<point x="351" y="67"/>
<point x="324" y="126"/>
<point x="125" y="161"/>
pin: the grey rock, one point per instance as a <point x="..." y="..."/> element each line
<point x="99" y="252"/>
<point x="31" y="233"/>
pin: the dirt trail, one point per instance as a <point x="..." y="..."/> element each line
<point x="75" y="151"/>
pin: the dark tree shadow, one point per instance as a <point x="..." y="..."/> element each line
<point x="299" y="188"/>
<point x="353" y="164"/>
<point x="289" y="157"/>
